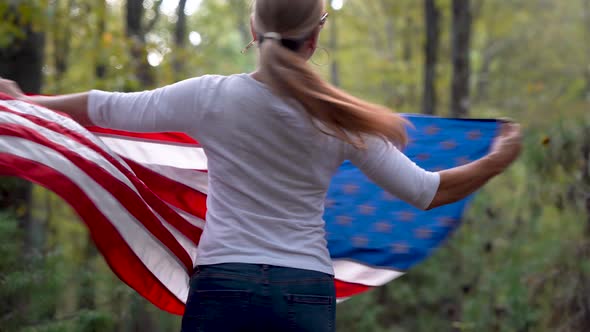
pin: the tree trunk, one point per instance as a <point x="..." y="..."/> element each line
<point x="100" y="67"/>
<point x="408" y="41"/>
<point x="61" y="44"/>
<point x="180" y="40"/>
<point x="461" y="40"/>
<point x="334" y="66"/>
<point x="391" y="98"/>
<point x="180" y="31"/>
<point x="242" y="13"/>
<point x="587" y="38"/>
<point x="142" y="320"/>
<point x="586" y="158"/>
<point x="87" y="292"/>
<point x="482" y="83"/>
<point x="432" y="22"/>
<point x="22" y="61"/>
<point x="136" y="33"/>
<point x="586" y="177"/>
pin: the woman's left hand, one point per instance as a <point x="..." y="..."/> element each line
<point x="10" y="88"/>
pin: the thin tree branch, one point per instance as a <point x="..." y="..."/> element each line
<point x="151" y="24"/>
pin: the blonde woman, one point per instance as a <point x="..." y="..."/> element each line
<point x="273" y="139"/>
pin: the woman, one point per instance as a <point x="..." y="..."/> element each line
<point x="273" y="139"/>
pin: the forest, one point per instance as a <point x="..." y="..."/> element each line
<point x="519" y="262"/>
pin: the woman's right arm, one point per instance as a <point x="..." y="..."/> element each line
<point x="459" y="182"/>
<point x="393" y="171"/>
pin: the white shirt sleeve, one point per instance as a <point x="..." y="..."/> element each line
<point x="393" y="171"/>
<point x="177" y="107"/>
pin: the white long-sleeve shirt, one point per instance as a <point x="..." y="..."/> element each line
<point x="269" y="167"/>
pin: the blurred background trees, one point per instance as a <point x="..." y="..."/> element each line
<point x="519" y="263"/>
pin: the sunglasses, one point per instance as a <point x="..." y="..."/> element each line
<point x="323" y="20"/>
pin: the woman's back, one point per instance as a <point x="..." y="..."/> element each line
<point x="269" y="170"/>
<point x="269" y="165"/>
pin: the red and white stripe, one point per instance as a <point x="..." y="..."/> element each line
<point x="142" y="196"/>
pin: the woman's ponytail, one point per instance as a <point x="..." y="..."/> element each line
<point x="344" y="116"/>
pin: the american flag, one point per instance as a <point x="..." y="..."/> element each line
<point x="143" y="198"/>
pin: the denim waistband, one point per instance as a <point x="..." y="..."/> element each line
<point x="261" y="271"/>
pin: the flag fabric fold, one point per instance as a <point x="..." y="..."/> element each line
<point x="143" y="198"/>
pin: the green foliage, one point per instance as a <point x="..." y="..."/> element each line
<point x="17" y="14"/>
<point x="520" y="261"/>
<point x="22" y="278"/>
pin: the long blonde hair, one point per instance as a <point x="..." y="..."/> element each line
<point x="289" y="74"/>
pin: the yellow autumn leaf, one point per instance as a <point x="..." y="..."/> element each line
<point x="107" y="38"/>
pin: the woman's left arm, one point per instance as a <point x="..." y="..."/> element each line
<point x="75" y="105"/>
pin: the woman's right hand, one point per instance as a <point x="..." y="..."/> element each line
<point x="459" y="182"/>
<point x="507" y="146"/>
<point x="10" y="88"/>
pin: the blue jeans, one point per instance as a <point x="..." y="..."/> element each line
<point x="250" y="297"/>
